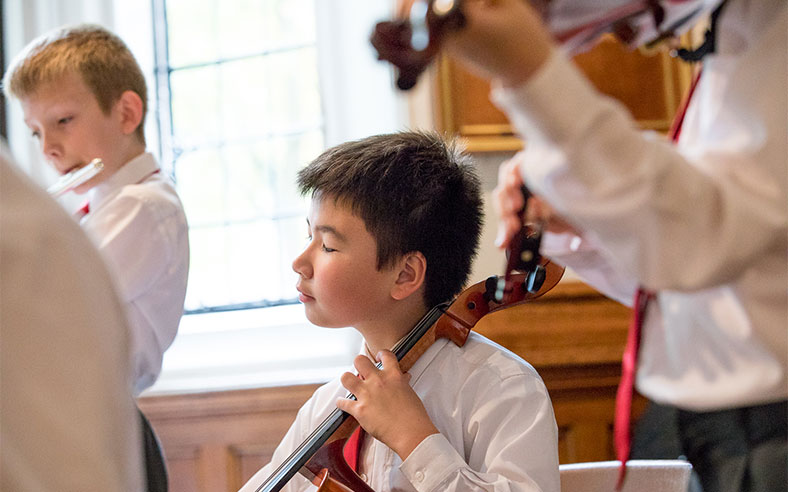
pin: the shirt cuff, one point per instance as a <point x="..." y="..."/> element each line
<point x="562" y="244"/>
<point x="431" y="462"/>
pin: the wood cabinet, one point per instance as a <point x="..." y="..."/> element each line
<point x="573" y="336"/>
<point x="650" y="85"/>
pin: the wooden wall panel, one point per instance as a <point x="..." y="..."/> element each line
<point x="183" y="466"/>
<point x="572" y="325"/>
<point x="650" y="85"/>
<point x="573" y="336"/>
<point x="213" y="442"/>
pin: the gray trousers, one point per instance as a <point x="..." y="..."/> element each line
<point x="155" y="468"/>
<point x="735" y="450"/>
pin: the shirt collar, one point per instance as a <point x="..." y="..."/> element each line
<point x="132" y="172"/>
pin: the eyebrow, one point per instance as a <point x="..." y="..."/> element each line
<point x="327" y="229"/>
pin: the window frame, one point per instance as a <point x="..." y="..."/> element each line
<point x="281" y="322"/>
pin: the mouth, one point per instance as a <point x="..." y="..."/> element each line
<point x="303" y="296"/>
<point x="71" y="169"/>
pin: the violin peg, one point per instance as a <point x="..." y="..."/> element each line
<point x="535" y="279"/>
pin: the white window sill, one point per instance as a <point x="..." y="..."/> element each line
<point x="253" y="348"/>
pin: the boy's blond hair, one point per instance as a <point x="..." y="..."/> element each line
<point x="101" y="58"/>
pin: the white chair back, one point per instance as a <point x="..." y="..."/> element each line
<point x="642" y="476"/>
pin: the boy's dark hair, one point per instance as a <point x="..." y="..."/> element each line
<point x="415" y="192"/>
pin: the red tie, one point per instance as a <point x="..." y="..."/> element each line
<point x="82" y="211"/>
<point x="621" y="434"/>
<point x="352" y="449"/>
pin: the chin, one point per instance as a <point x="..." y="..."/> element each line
<point x="83" y="188"/>
<point x="321" y="321"/>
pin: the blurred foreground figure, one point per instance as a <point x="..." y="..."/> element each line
<point x="698" y="225"/>
<point x="67" y="417"/>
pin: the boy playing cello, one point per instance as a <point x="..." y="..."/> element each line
<point x="393" y="227"/>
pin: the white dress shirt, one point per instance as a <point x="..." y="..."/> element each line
<point x="704" y="224"/>
<point x="67" y="419"/>
<point x="496" y="423"/>
<point x="137" y="221"/>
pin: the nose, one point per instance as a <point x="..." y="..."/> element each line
<point x="50" y="146"/>
<point x="301" y="264"/>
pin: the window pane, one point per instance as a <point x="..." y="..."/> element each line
<point x="202" y="31"/>
<point x="246" y="218"/>
<point x="195" y="106"/>
<point x="246" y="115"/>
<point x="246" y="181"/>
<point x="244" y="262"/>
<point x="278" y="93"/>
<point x="249" y="98"/>
<point x="200" y="181"/>
<point x="261" y="176"/>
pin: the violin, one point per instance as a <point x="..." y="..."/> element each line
<point x="411" y="43"/>
<point x="320" y="457"/>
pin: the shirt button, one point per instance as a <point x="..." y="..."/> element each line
<point x="419" y="476"/>
<point x="363" y="477"/>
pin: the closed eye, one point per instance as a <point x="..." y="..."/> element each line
<point x="63" y="121"/>
<point x="327" y="249"/>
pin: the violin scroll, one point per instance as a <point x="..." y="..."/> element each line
<point x="410" y="44"/>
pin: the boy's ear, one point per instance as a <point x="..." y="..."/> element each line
<point x="130" y="110"/>
<point x="410" y="278"/>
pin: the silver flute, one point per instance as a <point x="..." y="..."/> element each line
<point x="69" y="181"/>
